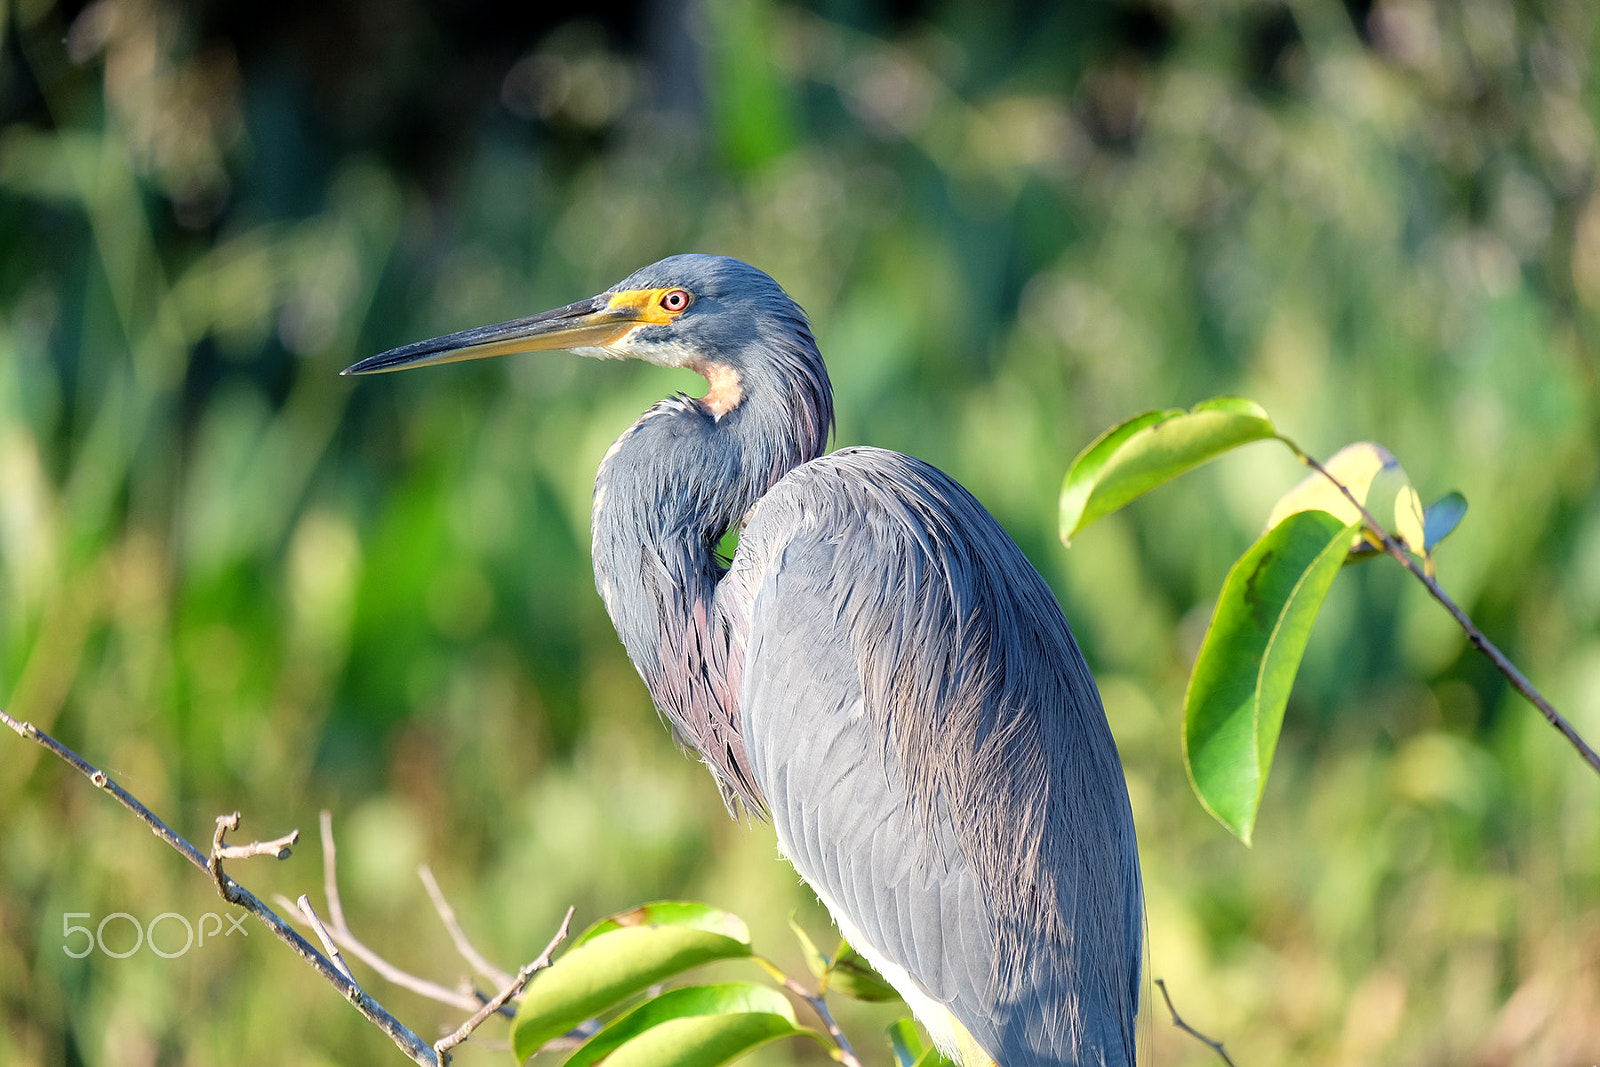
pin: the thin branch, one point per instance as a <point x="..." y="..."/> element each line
<point x="101" y="780"/>
<point x="847" y="1055"/>
<point x="234" y="893"/>
<point x="511" y="988"/>
<point x="330" y="870"/>
<point x="1479" y="641"/>
<point x="310" y="913"/>
<point x="447" y="915"/>
<point x="1177" y="1020"/>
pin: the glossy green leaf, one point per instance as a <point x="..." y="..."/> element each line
<point x="686" y="913"/>
<point x="854" y="977"/>
<point x="705" y="1040"/>
<point x="733" y="998"/>
<point x="1441" y="517"/>
<point x="1134" y="457"/>
<point x="608" y="965"/>
<point x="1233" y="709"/>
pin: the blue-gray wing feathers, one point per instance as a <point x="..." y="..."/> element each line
<point x="933" y="753"/>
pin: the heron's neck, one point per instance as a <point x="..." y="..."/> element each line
<point x="665" y="494"/>
<point x="672" y="485"/>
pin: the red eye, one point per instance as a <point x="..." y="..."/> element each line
<point x="675" y="299"/>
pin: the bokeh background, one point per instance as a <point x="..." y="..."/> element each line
<point x="237" y="580"/>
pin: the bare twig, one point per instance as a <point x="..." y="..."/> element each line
<point x="447" y="915"/>
<point x="1177" y="1020"/>
<point x="234" y="893"/>
<point x="310" y="913"/>
<point x="339" y="930"/>
<point x="1475" y="635"/>
<point x="330" y="870"/>
<point x="278" y="848"/>
<point x="512" y="987"/>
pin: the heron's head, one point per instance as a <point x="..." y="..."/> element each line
<point x="717" y="316"/>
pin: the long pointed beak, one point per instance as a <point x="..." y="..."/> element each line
<point x="593" y="323"/>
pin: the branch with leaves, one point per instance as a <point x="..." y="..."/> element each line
<point x="1239" y="686"/>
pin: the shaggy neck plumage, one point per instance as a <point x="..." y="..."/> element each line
<point x="672" y="485"/>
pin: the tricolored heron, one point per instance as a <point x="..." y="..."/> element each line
<point x="878" y="670"/>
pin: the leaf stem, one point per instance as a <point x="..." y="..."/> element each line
<point x="1479" y="641"/>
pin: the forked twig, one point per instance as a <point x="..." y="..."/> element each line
<point x="277" y="848"/>
<point x="1177" y="1020"/>
<point x="341" y="934"/>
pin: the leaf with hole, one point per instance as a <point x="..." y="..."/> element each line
<point x="1134" y="457"/>
<point x="1233" y="709"/>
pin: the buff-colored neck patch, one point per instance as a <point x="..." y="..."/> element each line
<point x="726" y="391"/>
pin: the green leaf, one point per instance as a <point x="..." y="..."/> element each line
<point x="847" y="972"/>
<point x="1441" y="517"/>
<point x="905" y="1042"/>
<point x="854" y="977"/>
<point x="614" y="960"/>
<point x="688" y="913"/>
<point x="816" y="962"/>
<point x="733" y="998"/>
<point x="1130" y="459"/>
<point x="1233" y="709"/>
<point x="705" y="1040"/>
<point x="909" y="1051"/>
<point x="1377" y="481"/>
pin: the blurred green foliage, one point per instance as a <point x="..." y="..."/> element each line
<point x="237" y="580"/>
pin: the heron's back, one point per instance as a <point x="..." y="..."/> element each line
<point x="934" y="755"/>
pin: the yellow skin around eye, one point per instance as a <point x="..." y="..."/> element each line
<point x="647" y="305"/>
